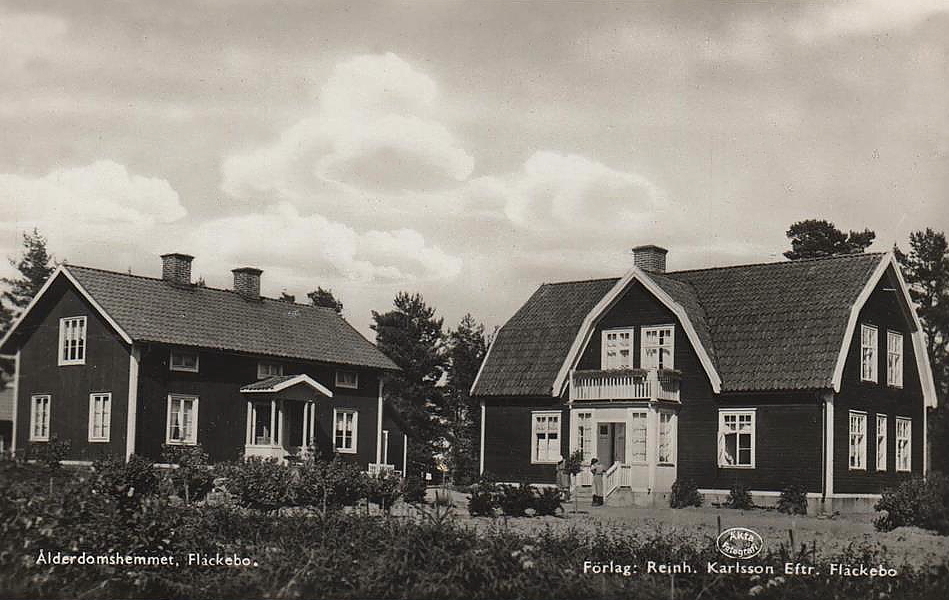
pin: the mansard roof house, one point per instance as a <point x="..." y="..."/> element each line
<point x="120" y="364"/>
<point x="807" y="372"/>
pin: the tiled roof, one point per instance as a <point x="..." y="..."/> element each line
<point x="154" y="310"/>
<point x="775" y="326"/>
<point x="266" y="385"/>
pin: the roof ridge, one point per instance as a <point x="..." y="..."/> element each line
<point x="195" y="286"/>
<point x="778" y="263"/>
<point x="595" y="279"/>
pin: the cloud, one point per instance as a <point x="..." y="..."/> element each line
<point x="371" y="130"/>
<point x="867" y="17"/>
<point x="95" y="204"/>
<point x="283" y="239"/>
<point x="25" y="37"/>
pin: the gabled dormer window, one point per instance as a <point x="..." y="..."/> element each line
<point x="617" y="349"/>
<point x="894" y="359"/>
<point x="183" y="360"/>
<point x="72" y="341"/>
<point x="868" y="353"/>
<point x="658" y="345"/>
<point x="268" y="369"/>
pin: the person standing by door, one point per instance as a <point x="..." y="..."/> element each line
<point x="596" y="469"/>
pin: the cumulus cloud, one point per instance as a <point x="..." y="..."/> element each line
<point x="282" y="238"/>
<point x="370" y="130"/>
<point x="99" y="203"/>
<point x="867" y="17"/>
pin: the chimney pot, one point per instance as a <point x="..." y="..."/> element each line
<point x="176" y="268"/>
<point x="650" y="258"/>
<point x="247" y="282"/>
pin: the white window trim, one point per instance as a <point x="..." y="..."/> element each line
<point x="62" y="361"/>
<point x="349" y="386"/>
<point x="722" y="412"/>
<point x="545" y="413"/>
<point x="671" y="346"/>
<point x="909" y="444"/>
<point x="106" y="425"/>
<point x="49" y="405"/>
<point x="629" y="451"/>
<point x="673" y="427"/>
<point x="193" y="441"/>
<point x="603" y="341"/>
<point x="862" y="448"/>
<point x="355" y="413"/>
<point x="173" y="367"/>
<point x="881" y="465"/>
<point x="262" y="364"/>
<point x="875" y="375"/>
<point x="894" y="378"/>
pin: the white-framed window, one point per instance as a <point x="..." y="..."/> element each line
<point x="881" y="442"/>
<point x="72" y="341"/>
<point x="638" y="427"/>
<point x="665" y="452"/>
<point x="858" y="440"/>
<point x="657" y="347"/>
<point x="894" y="359"/>
<point x="182" y="420"/>
<point x="347" y="379"/>
<point x="868" y="353"/>
<point x="385" y="446"/>
<point x="616" y="351"/>
<point x="904" y="446"/>
<point x="268" y="369"/>
<point x="736" y="438"/>
<point x="183" y="360"/>
<point x="545" y="433"/>
<point x="586" y="442"/>
<point x="100" y="416"/>
<point x="346" y="422"/>
<point x="39" y="417"/>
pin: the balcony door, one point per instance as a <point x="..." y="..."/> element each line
<point x="658" y="344"/>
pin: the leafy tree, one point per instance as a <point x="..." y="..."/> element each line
<point x="467" y="346"/>
<point x="926" y="269"/>
<point x="285" y="297"/>
<point x="411" y="335"/>
<point x="815" y="238"/>
<point x="323" y="297"/>
<point x="34" y="265"/>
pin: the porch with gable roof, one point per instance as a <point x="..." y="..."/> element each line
<point x="281" y="415"/>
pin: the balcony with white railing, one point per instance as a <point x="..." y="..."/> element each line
<point x="625" y="384"/>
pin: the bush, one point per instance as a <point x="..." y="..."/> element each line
<point x="413" y="489"/>
<point x="685" y="493"/>
<point x="193" y="477"/>
<point x="258" y="483"/>
<point x="384" y="489"/>
<point x="483" y="500"/>
<point x="793" y="500"/>
<point x="514" y="500"/>
<point x="128" y="482"/>
<point x="50" y="453"/>
<point x="547" y="501"/>
<point x="738" y="497"/>
<point x="923" y="502"/>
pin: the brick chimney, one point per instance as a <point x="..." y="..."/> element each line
<point x="650" y="258"/>
<point x="247" y="282"/>
<point x="176" y="268"/>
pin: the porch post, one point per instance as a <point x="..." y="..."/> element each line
<point x="273" y="420"/>
<point x="306" y="421"/>
<point x="312" y="424"/>
<point x="652" y="442"/>
<point x="280" y="422"/>
<point x="249" y="438"/>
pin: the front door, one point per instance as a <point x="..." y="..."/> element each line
<point x="611" y="443"/>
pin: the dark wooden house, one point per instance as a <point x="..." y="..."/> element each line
<point x="809" y="372"/>
<point x="120" y="364"/>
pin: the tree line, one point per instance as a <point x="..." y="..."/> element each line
<point x="439" y="365"/>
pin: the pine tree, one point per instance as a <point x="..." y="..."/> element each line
<point x="815" y="238"/>
<point x="412" y="336"/>
<point x="467" y="346"/>
<point x="34" y="265"/>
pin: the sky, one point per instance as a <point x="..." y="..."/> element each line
<point x="468" y="151"/>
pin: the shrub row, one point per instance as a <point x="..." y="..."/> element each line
<point x="513" y="500"/>
<point x="922" y="502"/>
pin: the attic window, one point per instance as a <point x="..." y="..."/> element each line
<point x="868" y="353"/>
<point x="183" y="360"/>
<point x="72" y="341"/>
<point x="347" y="379"/>
<point x="617" y="349"/>
<point x="658" y="344"/>
<point x="894" y="359"/>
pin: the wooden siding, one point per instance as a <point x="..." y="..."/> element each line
<point x="106" y="369"/>
<point x="222" y="409"/>
<point x="507" y="439"/>
<point x="882" y="309"/>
